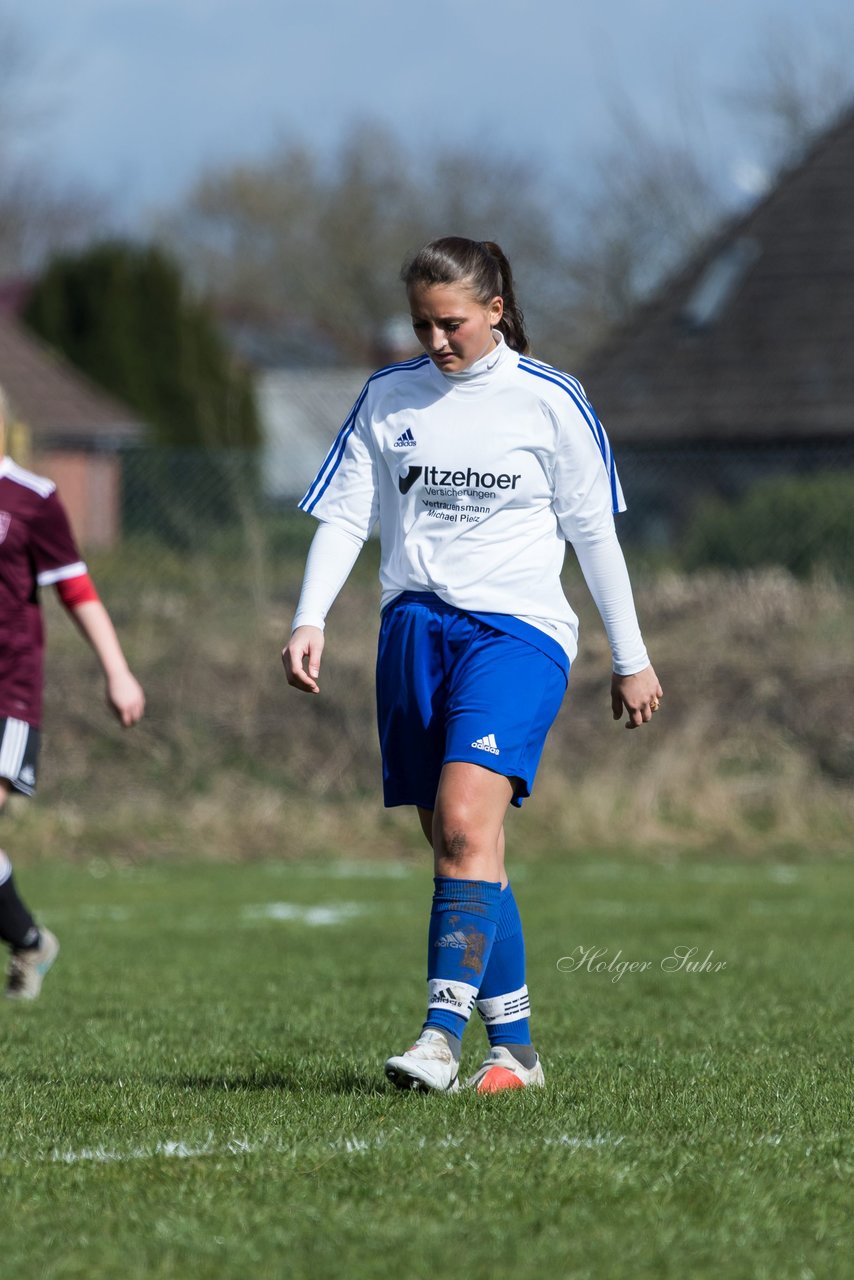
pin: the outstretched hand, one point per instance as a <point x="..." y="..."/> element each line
<point x="639" y="694"/>
<point x="304" y="647"/>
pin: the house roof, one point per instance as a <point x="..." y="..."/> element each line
<point x="754" y="339"/>
<point x="57" y="402"/>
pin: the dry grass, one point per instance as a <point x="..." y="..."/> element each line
<point x="755" y="742"/>
<point x="754" y="747"/>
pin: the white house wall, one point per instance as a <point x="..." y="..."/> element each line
<point x="301" y="412"/>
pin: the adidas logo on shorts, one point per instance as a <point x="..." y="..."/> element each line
<point x="487" y="743"/>
<point x="406" y="440"/>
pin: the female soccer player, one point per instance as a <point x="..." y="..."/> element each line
<point x="480" y="464"/>
<point x="37" y="549"/>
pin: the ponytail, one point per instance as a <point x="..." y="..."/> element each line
<point x="512" y="323"/>
<point x="479" y="264"/>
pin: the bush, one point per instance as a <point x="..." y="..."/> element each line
<point x="124" y="315"/>
<point x="802" y="523"/>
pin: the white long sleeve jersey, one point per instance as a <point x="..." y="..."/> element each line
<point x="478" y="480"/>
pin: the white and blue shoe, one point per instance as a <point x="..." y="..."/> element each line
<point x="427" y="1066"/>
<point x="27" y="969"/>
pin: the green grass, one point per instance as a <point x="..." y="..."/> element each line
<point x="199" y="1091"/>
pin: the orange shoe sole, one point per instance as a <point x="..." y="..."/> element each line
<point x="498" y="1078"/>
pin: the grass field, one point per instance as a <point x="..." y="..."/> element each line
<point x="754" y="750"/>
<point x="199" y="1092"/>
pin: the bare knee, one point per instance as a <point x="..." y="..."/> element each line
<point x="454" y="834"/>
<point x="454" y="844"/>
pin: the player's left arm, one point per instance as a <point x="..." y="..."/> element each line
<point x="634" y="683"/>
<point x="587" y="496"/>
<point x="58" y="564"/>
<point x="124" y="692"/>
<point x="640" y="694"/>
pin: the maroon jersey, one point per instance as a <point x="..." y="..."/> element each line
<point x="37" y="549"/>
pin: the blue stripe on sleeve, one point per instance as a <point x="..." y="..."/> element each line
<point x="575" y="391"/>
<point x="336" y="453"/>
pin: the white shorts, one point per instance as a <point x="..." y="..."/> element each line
<point x="19" y="754"/>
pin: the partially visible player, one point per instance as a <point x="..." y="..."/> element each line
<point x="480" y="464"/>
<point x="37" y="549"/>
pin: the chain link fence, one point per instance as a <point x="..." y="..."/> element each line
<point x="695" y="507"/>
<point x="739" y="508"/>
<point x="229" y="761"/>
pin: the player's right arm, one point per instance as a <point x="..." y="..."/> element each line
<point x="344" y="497"/>
<point x="301" y="659"/>
<point x="332" y="554"/>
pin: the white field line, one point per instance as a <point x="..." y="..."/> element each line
<point x="345" y="1146"/>
<point x="342" y="870"/>
<point x="702" y="873"/>
<point x="286" y="912"/>
<point x="312" y="914"/>
<point x="352" y="1145"/>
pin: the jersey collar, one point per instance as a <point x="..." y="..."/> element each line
<point x="484" y="369"/>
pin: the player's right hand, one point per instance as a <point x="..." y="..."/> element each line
<point x="301" y="659"/>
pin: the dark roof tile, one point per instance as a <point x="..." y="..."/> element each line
<point x="55" y="400"/>
<point x="777" y="361"/>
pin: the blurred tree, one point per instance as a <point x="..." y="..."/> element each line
<point x="122" y="314"/>
<point x="289" y="237"/>
<point x="802" y="80"/>
<point x="37" y="214"/>
<point x="651" y="203"/>
<point x="648" y="204"/>
<point x="320" y="244"/>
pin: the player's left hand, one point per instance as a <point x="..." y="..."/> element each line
<point x="640" y="694"/>
<point x="125" y="696"/>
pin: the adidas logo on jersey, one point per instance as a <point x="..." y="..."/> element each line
<point x="487" y="743"/>
<point x="406" y="440"/>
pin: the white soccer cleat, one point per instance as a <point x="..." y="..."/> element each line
<point x="500" y="1070"/>
<point x="27" y="969"/>
<point x="428" y="1065"/>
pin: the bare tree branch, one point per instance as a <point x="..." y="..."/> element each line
<point x="801" y="80"/>
<point x="292" y="237"/>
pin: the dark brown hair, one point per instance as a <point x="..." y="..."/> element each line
<point x="479" y="264"/>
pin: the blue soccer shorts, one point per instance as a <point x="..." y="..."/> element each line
<point x="451" y="687"/>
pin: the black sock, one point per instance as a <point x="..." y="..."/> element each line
<point x="17" y="926"/>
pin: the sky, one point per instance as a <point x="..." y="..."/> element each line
<point x="139" y="97"/>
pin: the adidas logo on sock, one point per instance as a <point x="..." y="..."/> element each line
<point x="406" y="440"/>
<point x="448" y="996"/>
<point x="487" y="743"/>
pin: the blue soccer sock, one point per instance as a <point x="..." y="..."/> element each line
<point x="503" y="997"/>
<point x="463" y="921"/>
